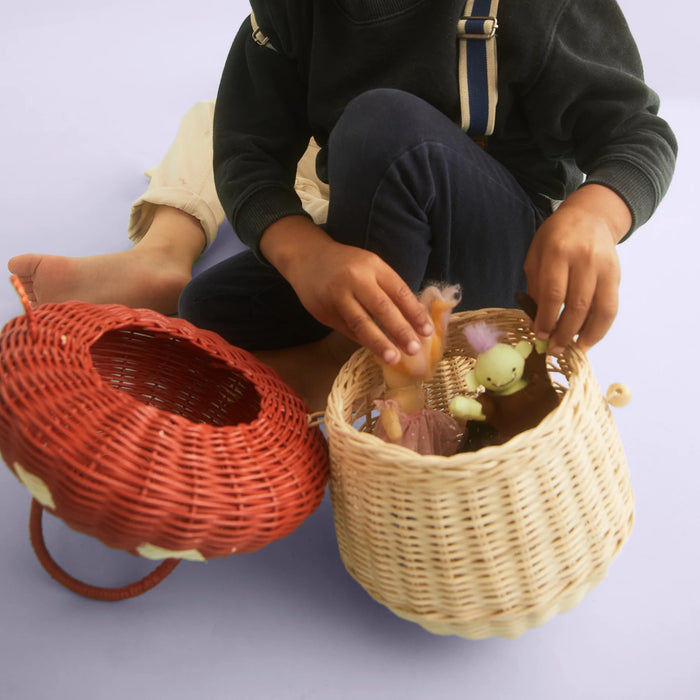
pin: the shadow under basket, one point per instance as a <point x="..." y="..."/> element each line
<point x="488" y="543"/>
<point x="152" y="436"/>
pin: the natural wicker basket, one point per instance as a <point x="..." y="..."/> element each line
<point x="488" y="543"/>
<point x="152" y="436"/>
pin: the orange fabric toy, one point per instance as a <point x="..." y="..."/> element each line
<point x="404" y="418"/>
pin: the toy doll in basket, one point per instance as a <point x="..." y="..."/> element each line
<point x="516" y="392"/>
<point x="404" y="418"/>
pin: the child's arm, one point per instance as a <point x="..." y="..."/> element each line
<point x="259" y="135"/>
<point x="589" y="105"/>
<point x="573" y="261"/>
<point x="347" y="288"/>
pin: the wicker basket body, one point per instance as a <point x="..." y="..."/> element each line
<point x="153" y="436"/>
<point x="489" y="543"/>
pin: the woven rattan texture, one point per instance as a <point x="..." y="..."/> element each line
<point x="143" y="431"/>
<point x="480" y="544"/>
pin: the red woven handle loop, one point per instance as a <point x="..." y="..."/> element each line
<point x="36" y="537"/>
<point x="28" y="310"/>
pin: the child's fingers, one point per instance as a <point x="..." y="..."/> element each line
<point x="357" y="324"/>
<point x="389" y="318"/>
<point x="409" y="308"/>
<point x="412" y="309"/>
<point x="551" y="281"/>
<point x="602" y="313"/>
<point x="579" y="297"/>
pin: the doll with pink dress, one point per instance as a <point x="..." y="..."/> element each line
<point x="404" y="419"/>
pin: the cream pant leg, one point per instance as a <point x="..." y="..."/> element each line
<point x="185" y="180"/>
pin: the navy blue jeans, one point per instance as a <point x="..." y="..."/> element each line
<point x="407" y="184"/>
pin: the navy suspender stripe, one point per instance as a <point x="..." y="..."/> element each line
<point x="478" y="69"/>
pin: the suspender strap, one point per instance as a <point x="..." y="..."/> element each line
<point x="258" y="37"/>
<point x="478" y="69"/>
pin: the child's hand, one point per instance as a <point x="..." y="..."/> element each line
<point x="348" y="288"/>
<point x="573" y="262"/>
<point x="357" y="293"/>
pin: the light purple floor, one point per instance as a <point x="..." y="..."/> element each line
<point x="91" y="94"/>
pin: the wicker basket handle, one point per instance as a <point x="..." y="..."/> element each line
<point x="313" y="420"/>
<point x="26" y="304"/>
<point x="618" y="395"/>
<point x="36" y="537"/>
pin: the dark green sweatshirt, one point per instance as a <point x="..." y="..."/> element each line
<point x="572" y="98"/>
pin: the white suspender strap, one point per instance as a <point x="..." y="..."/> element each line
<point x="478" y="68"/>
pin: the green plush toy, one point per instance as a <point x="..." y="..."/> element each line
<point x="517" y="392"/>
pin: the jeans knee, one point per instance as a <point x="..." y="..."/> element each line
<point x="383" y="122"/>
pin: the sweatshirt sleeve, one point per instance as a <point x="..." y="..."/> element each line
<point x="260" y="133"/>
<point x="590" y="96"/>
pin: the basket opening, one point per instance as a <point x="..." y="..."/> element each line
<point x="174" y="375"/>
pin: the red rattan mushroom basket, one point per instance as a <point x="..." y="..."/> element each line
<point x="152" y="436"/>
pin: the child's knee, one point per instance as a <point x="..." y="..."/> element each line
<point x="382" y="120"/>
<point x="381" y="125"/>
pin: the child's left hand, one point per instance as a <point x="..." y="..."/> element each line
<point x="573" y="262"/>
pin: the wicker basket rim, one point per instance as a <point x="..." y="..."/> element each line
<point x="486" y="458"/>
<point x="115" y="318"/>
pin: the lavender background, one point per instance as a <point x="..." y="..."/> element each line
<point x="91" y="94"/>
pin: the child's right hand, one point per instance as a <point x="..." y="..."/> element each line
<point x="349" y="289"/>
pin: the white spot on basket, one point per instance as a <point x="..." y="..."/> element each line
<point x="36" y="486"/>
<point x="152" y="551"/>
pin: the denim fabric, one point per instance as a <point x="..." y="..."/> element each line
<point x="407" y="184"/>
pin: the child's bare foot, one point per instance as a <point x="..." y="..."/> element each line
<point x="150" y="275"/>
<point x="311" y="369"/>
<point x="132" y="277"/>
